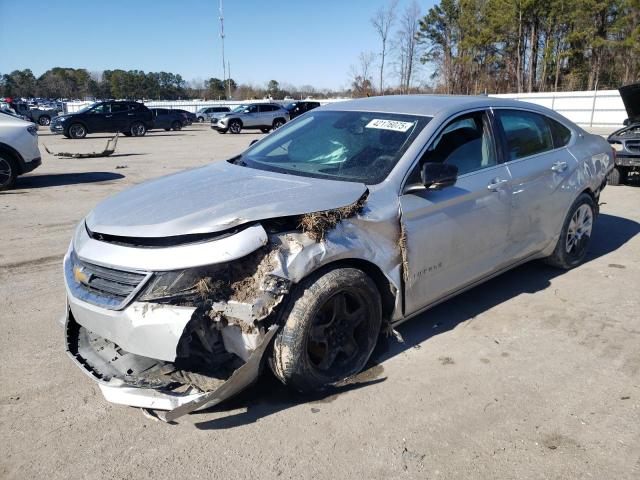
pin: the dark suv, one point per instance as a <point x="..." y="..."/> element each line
<point x="130" y="118"/>
<point x="296" y="109"/>
<point x="167" y="119"/>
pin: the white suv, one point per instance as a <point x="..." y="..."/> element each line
<point x="19" y="151"/>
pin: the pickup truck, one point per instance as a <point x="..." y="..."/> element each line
<point x="38" y="115"/>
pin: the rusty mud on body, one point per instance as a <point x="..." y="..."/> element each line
<point x="317" y="224"/>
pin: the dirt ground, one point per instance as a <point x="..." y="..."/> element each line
<point x="535" y="374"/>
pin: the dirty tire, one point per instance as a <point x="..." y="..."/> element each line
<point x="138" y="129"/>
<point x="569" y="254"/>
<point x="618" y="176"/>
<point x="77" y="130"/>
<point x="44" y="120"/>
<point x="8" y="172"/>
<point x="235" y="126"/>
<point x="314" y="348"/>
<point x="175" y="126"/>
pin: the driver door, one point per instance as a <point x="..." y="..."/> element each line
<point x="459" y="234"/>
<point x="96" y="118"/>
<point x="251" y="118"/>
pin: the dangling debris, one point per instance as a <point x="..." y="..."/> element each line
<point x="109" y="149"/>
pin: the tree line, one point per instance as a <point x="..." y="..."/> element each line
<point x="502" y="46"/>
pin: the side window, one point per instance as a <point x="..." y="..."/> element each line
<point x="526" y="133"/>
<point x="119" y="107"/>
<point x="100" y="109"/>
<point x="561" y="134"/>
<point x="466" y="142"/>
<point x="252" y="108"/>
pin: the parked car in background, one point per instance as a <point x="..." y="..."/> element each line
<point x="39" y="115"/>
<point x="296" y="109"/>
<point x="129" y="118"/>
<point x="205" y="113"/>
<point x="19" y="153"/>
<point x="626" y="141"/>
<point x="261" y="116"/>
<point x="167" y="119"/>
<point x="298" y="251"/>
<point x="188" y="116"/>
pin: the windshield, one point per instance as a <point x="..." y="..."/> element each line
<point x="86" y="109"/>
<point x="350" y="146"/>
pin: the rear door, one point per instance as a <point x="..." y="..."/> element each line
<point x="539" y="162"/>
<point x="456" y="235"/>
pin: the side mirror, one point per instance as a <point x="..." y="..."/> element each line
<point x="246" y="110"/>
<point x="438" y="175"/>
<point x="626" y="122"/>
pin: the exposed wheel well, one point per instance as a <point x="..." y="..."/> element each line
<point x="11" y="152"/>
<point x="386" y="288"/>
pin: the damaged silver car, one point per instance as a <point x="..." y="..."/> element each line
<point x="297" y="253"/>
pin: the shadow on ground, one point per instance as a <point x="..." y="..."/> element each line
<point x="60" y="179"/>
<point x="269" y="396"/>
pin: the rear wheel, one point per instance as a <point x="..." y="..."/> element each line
<point x="44" y="120"/>
<point x="175" y="126"/>
<point x="575" y="236"/>
<point x="618" y="176"/>
<point x="332" y="322"/>
<point x="77" y="130"/>
<point x="138" y="129"/>
<point x="235" y="126"/>
<point x="8" y="172"/>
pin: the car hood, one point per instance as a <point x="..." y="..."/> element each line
<point x="631" y="97"/>
<point x="215" y="198"/>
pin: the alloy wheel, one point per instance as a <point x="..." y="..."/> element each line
<point x="579" y="228"/>
<point x="5" y="172"/>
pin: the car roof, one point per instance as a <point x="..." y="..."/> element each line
<point x="428" y="105"/>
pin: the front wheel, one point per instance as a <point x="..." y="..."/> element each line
<point x="575" y="235"/>
<point x="8" y="172"/>
<point x="138" y="129"/>
<point x="332" y="322"/>
<point x="77" y="131"/>
<point x="235" y="126"/>
<point x="618" y="176"/>
<point x="277" y="123"/>
<point x="44" y="120"/>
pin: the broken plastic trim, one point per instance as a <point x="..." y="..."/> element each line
<point x="108" y="150"/>
<point x="161" y="242"/>
<point x="240" y="379"/>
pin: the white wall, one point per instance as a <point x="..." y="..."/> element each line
<point x="602" y="108"/>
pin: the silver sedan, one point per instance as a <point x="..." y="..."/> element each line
<point x="347" y="221"/>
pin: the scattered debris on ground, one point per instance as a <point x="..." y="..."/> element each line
<point x="109" y="149"/>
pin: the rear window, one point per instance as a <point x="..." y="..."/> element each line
<point x="561" y="134"/>
<point x="526" y="133"/>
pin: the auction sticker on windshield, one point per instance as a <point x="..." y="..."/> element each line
<point x="395" y="125"/>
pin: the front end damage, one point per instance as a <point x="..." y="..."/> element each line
<point x="189" y="338"/>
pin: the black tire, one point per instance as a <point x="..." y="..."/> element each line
<point x="44" y="120"/>
<point x="569" y="254"/>
<point x="77" y="130"/>
<point x="265" y="130"/>
<point x="277" y="123"/>
<point x="311" y="352"/>
<point x="200" y="119"/>
<point x="235" y="126"/>
<point x="618" y="176"/>
<point x="138" y="129"/>
<point x="222" y="132"/>
<point x="175" y="126"/>
<point x="8" y="172"/>
<point x="167" y="129"/>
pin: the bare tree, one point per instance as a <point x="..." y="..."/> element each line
<point x="361" y="74"/>
<point x="382" y="22"/>
<point x="407" y="44"/>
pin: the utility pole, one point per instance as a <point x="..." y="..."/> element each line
<point x="229" y="81"/>
<point x="224" y="65"/>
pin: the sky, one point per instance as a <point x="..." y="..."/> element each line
<point x="299" y="42"/>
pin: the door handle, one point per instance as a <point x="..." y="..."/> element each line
<point x="559" y="167"/>
<point x="131" y="114"/>
<point x="495" y="184"/>
<point x="108" y="116"/>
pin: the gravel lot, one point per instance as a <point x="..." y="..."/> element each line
<point x="535" y="374"/>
